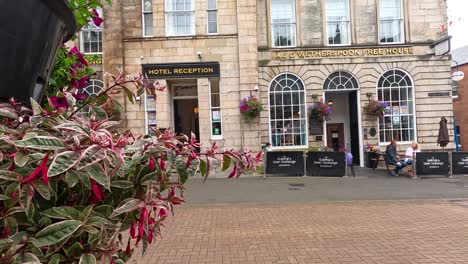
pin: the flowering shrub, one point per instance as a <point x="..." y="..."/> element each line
<point x="250" y="107"/>
<point x="375" y="107"/>
<point x="71" y="185"/>
<point x="320" y="111"/>
<point x="326" y="149"/>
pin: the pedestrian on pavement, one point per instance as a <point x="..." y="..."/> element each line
<point x="391" y="157"/>
<point x="411" y="153"/>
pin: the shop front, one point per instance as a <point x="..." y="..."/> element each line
<point x="403" y="79"/>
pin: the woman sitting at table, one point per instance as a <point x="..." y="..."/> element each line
<point x="411" y="152"/>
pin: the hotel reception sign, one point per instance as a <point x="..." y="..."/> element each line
<point x="181" y="70"/>
<point x="343" y="53"/>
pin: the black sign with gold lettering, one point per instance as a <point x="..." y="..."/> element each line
<point x="181" y="70"/>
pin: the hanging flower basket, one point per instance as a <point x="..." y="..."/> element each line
<point x="250" y="107"/>
<point x="320" y="111"/>
<point x="375" y="107"/>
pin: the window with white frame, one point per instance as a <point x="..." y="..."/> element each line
<point x="391" y="26"/>
<point x="283" y="23"/>
<point x="91" y="38"/>
<point x="212" y="16"/>
<point x="288" y="116"/>
<point x="180" y="17"/>
<point x="338" y="22"/>
<point x="215" y="110"/>
<point x="147" y="18"/>
<point x="398" y="122"/>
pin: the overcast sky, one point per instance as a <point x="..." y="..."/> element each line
<point x="458" y="16"/>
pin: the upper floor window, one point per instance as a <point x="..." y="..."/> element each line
<point x="391" y="26"/>
<point x="338" y="22"/>
<point x="398" y="122"/>
<point x="283" y="23"/>
<point x="91" y="38"/>
<point x="180" y="17"/>
<point x="454" y="85"/>
<point x="147" y="18"/>
<point x="212" y="16"/>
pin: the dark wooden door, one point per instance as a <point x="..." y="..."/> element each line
<point x="335" y="136"/>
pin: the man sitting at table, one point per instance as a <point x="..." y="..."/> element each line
<point x="391" y="157"/>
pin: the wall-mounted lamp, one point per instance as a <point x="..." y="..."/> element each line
<point x="199" y="54"/>
<point x="195" y="110"/>
<point x="369" y="95"/>
<point x="315" y="97"/>
<point x="330" y="102"/>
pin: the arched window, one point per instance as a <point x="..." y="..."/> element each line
<point x="288" y="116"/>
<point x="340" y="80"/>
<point x="396" y="88"/>
<point x="92" y="88"/>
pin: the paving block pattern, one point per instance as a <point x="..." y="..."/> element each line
<point x="406" y="232"/>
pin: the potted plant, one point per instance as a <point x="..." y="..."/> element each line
<point x="372" y="156"/>
<point x="250" y="107"/>
<point x="320" y="111"/>
<point x="374" y="107"/>
<point x="25" y="69"/>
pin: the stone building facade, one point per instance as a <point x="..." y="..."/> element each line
<point x="291" y="53"/>
<point x="346" y="53"/>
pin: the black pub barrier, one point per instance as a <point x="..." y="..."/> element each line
<point x="290" y="163"/>
<point x="432" y="164"/>
<point x="326" y="164"/>
<point x="459" y="163"/>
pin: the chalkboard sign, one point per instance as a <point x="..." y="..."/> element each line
<point x="432" y="164"/>
<point x="289" y="163"/>
<point x="460" y="163"/>
<point x="326" y="164"/>
<point x="315" y="127"/>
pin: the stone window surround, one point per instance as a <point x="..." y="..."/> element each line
<point x="186" y="12"/>
<point x="208" y="11"/>
<point x="403" y="25"/>
<point x="348" y="21"/>
<point x="295" y="23"/>
<point x="143" y="20"/>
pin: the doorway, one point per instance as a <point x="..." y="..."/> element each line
<point x="185" y="109"/>
<point x="343" y="129"/>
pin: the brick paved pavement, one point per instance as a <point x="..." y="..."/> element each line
<point x="366" y="232"/>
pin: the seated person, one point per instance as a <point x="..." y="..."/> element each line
<point x="391" y="157"/>
<point x="411" y="152"/>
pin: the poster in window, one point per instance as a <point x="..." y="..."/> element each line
<point x="396" y="120"/>
<point x="396" y="110"/>
<point x="151" y="103"/>
<point x="404" y="109"/>
<point x="216" y="115"/>
<point x="388" y="110"/>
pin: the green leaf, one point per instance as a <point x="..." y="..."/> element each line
<point x="42" y="143"/>
<point x="86" y="211"/>
<point x="74" y="250"/>
<point x="87" y="259"/>
<point x="150" y="176"/>
<point x="9" y="175"/>
<point x="57" y="232"/>
<point x="63" y="212"/>
<point x="55" y="259"/>
<point x="6" y="242"/>
<point x="4" y="197"/>
<point x="35" y="107"/>
<point x="103" y="210"/>
<point x="7" y="130"/>
<point x="91" y="155"/>
<point x="100" y="114"/>
<point x="42" y="189"/>
<point x="226" y="163"/>
<point x="203" y="167"/>
<point x="181" y="169"/>
<point x="90" y="229"/>
<point x="128" y="93"/>
<point x="71" y="178"/>
<point x="84" y="179"/>
<point x="122" y="184"/>
<point x="8" y="112"/>
<point x="15" y="210"/>
<point x="63" y="162"/>
<point x="21" y="159"/>
<point x="28" y="258"/>
<point x="128" y="206"/>
<point x="24" y="197"/>
<point x="96" y="172"/>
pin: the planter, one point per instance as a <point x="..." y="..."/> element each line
<point x="30" y="34"/>
<point x="371" y="159"/>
